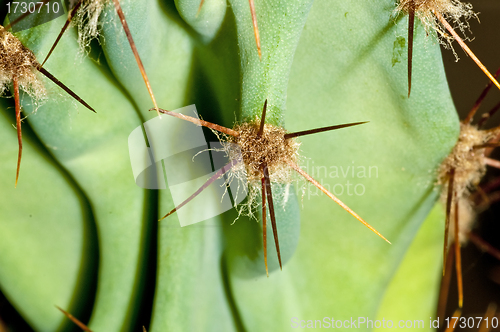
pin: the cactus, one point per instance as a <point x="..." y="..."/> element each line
<point x="321" y="63"/>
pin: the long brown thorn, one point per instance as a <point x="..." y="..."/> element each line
<point x="334" y="198"/>
<point x="74" y="320"/>
<point x="199" y="7"/>
<point x="319" y="130"/>
<point x="64" y="28"/>
<point x="18" y="125"/>
<point x="411" y="25"/>
<point x="479" y="100"/>
<point x="484" y="246"/>
<point x="269" y="195"/>
<point x="200" y="122"/>
<point x="492" y="162"/>
<point x="264" y="230"/>
<point x="458" y="258"/>
<point x="465" y="47"/>
<point x="136" y="53"/>
<point x="255" y="27"/>
<point x="64" y="87"/>
<point x="211" y="180"/>
<point x="23" y="16"/>
<point x="449" y="200"/>
<point x="262" y="120"/>
<point x="444" y="289"/>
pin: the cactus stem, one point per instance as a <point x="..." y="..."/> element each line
<point x="262" y="120"/>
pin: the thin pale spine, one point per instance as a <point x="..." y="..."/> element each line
<point x="269" y="195"/>
<point x="458" y="258"/>
<point x="411" y="25"/>
<point x="465" y="47"/>
<point x="449" y="199"/>
<point x="255" y="27"/>
<point x="264" y="227"/>
<point x="200" y="122"/>
<point x="75" y="320"/>
<point x="211" y="180"/>
<point x="334" y="198"/>
<point x="18" y="125"/>
<point x="64" y="87"/>
<point x="64" y="28"/>
<point x="121" y="15"/>
<point x="23" y="16"/>
<point x="319" y="130"/>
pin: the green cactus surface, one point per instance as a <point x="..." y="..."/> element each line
<point x="77" y="217"/>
